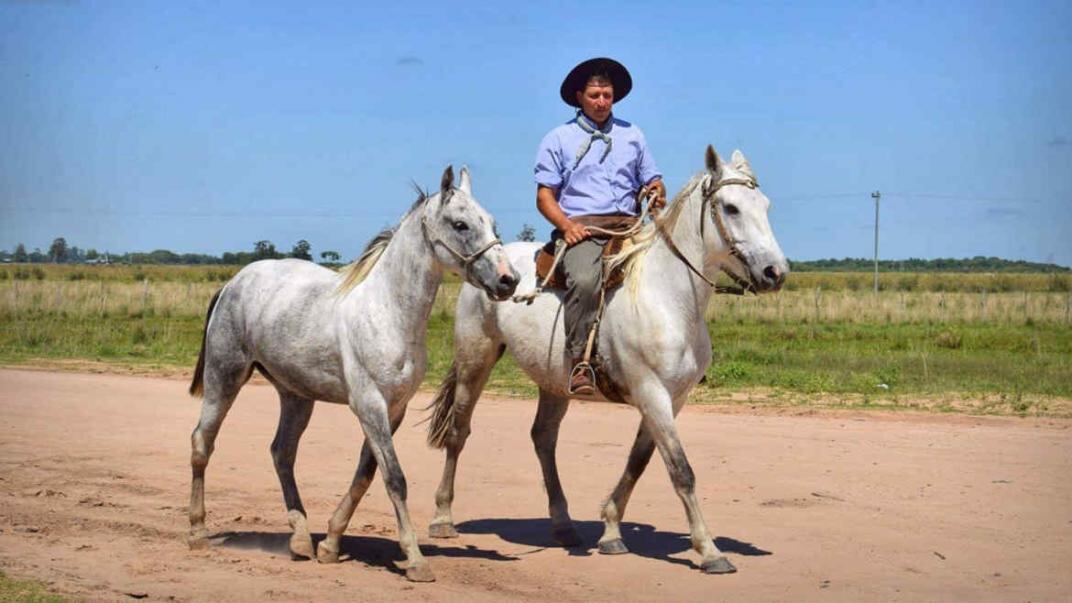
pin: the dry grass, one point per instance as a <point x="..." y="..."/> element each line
<point x="896" y="307"/>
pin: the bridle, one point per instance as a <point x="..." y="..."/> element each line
<point x="710" y="198"/>
<point x="466" y="260"/>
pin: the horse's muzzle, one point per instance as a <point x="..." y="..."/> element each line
<point x="506" y="286"/>
<point x="772" y="278"/>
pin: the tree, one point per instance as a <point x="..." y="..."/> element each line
<point x="330" y="256"/>
<point x="58" y="250"/>
<point x="301" y="250"/>
<point x="264" y="250"/>
<point x="91" y="254"/>
<point x="20" y="254"/>
<point x="528" y="233"/>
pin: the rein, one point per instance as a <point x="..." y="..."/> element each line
<point x="744" y="286"/>
<point x="560" y="246"/>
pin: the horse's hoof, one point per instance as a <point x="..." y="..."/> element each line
<point x="613" y="547"/>
<point x="442" y="530"/>
<point x="325" y="554"/>
<point x="567" y="537"/>
<point x="301" y="547"/>
<point x="420" y="573"/>
<point x="719" y="565"/>
<point x="198" y="539"/>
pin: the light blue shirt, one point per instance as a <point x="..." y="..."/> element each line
<point x="598" y="185"/>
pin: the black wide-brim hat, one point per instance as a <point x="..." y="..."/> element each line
<point x="578" y="77"/>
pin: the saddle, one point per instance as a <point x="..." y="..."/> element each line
<point x="545" y="257"/>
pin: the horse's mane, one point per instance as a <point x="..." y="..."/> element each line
<point x="632" y="257"/>
<point x="355" y="272"/>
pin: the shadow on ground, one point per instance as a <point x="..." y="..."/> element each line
<point x="642" y="539"/>
<point x="370" y="550"/>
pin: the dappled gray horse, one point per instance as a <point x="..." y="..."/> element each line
<point x="653" y="338"/>
<point x="356" y="338"/>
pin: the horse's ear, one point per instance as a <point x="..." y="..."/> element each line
<point x="464" y="184"/>
<point x="712" y="162"/>
<point x="447" y="181"/>
<point x="741" y="164"/>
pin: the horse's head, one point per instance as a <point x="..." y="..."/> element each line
<point x="739" y="213"/>
<point x="463" y="238"/>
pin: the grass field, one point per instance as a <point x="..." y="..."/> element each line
<point x="25" y="591"/>
<point x="948" y="342"/>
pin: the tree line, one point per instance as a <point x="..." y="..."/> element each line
<point x="976" y="264"/>
<point x="60" y="252"/>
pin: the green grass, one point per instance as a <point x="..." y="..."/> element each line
<point x="917" y="359"/>
<point x="25" y="591"/>
<point x="167" y="341"/>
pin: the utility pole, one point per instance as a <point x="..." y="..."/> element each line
<point x="876" y="196"/>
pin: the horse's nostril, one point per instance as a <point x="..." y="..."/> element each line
<point x="772" y="273"/>
<point x="507" y="282"/>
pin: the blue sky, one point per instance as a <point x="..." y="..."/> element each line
<point x="204" y="127"/>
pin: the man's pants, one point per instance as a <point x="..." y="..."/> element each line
<point x="583" y="267"/>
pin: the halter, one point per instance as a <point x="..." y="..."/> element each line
<point x="466" y="260"/>
<point x="710" y="198"/>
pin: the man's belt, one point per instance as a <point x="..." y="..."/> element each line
<point x="612" y="222"/>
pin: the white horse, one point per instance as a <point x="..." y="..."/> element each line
<point x="653" y="339"/>
<point x="355" y="338"/>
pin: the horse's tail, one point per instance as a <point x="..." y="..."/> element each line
<point x="197" y="386"/>
<point x="443" y="409"/>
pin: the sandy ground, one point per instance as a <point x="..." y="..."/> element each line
<point x="94" y="480"/>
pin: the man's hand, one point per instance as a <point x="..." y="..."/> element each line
<point x="575" y="233"/>
<point x="547" y="203"/>
<point x="657" y="194"/>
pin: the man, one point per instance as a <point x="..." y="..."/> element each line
<point x="588" y="172"/>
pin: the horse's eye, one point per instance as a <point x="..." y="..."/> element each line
<point x="732" y="210"/>
<point x="460" y="226"/>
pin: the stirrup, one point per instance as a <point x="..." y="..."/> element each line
<point x="582" y="367"/>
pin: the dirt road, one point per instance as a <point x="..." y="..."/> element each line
<point x="94" y="480"/>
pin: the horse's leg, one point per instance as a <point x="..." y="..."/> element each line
<point x="373" y="413"/>
<point x="294" y="414"/>
<point x="545" y="437"/>
<point x="375" y="452"/>
<point x="614" y="509"/>
<point x="658" y="412"/>
<point x="471" y="371"/>
<point x="328" y="549"/>
<point x="221" y="386"/>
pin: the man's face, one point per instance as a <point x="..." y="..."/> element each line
<point x="596" y="100"/>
